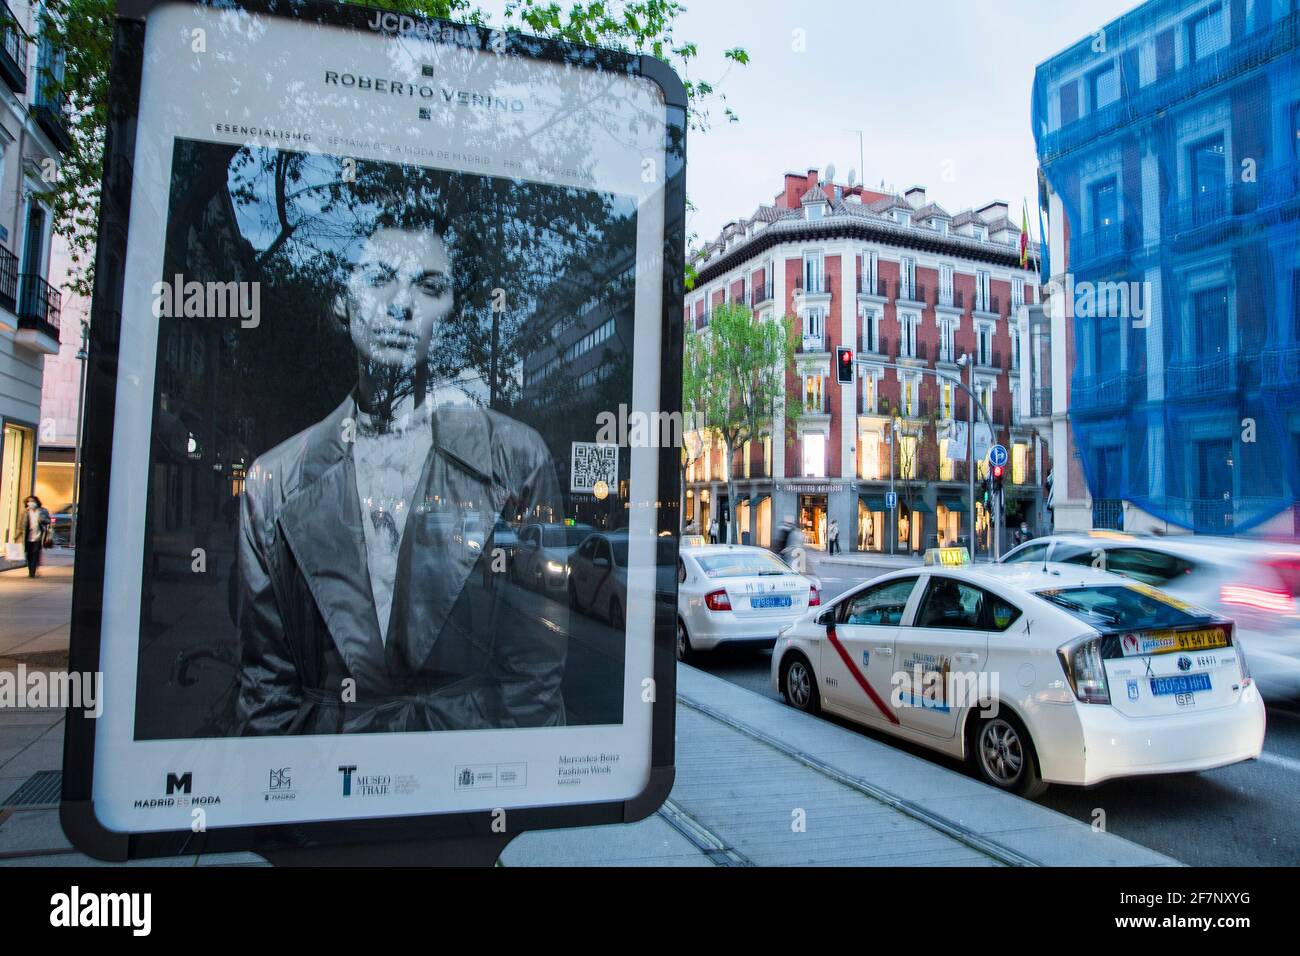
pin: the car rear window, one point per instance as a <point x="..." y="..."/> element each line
<point x="734" y="564"/>
<point x="1140" y="564"/>
<point x="1124" y="606"/>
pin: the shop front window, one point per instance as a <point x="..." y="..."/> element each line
<point x="16" y="457"/>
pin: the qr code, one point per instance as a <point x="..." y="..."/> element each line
<point x="593" y="464"/>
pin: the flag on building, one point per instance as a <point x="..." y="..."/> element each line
<point x="1024" y="236"/>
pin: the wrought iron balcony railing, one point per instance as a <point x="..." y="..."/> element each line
<point x="39" y="305"/>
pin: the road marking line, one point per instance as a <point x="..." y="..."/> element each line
<point x="1277" y="760"/>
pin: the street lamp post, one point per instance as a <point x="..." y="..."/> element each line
<point x="963" y="361"/>
<point x="82" y="355"/>
<point x="891" y="437"/>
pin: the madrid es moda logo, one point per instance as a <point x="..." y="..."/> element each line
<point x="178" y="790"/>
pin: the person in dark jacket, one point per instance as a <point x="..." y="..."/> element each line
<point x="36" y="525"/>
<point x="360" y="610"/>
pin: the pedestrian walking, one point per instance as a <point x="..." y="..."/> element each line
<point x="833" y="537"/>
<point x="713" y="531"/>
<point x="37" y="523"/>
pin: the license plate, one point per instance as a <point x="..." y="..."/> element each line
<point x="775" y="600"/>
<point x="1167" y="642"/>
<point x="1180" y="684"/>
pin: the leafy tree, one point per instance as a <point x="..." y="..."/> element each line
<point x="83" y="30"/>
<point x="737" y="368"/>
<point x="918" y="464"/>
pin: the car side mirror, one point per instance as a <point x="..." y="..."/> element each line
<point x="827" y="617"/>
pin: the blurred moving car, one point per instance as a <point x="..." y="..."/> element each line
<point x="1037" y="675"/>
<point x="737" y="594"/>
<point x="505" y="538"/>
<point x="1254" y="582"/>
<point x="542" y="555"/>
<point x="61" y="525"/>
<point x="469" y="531"/>
<point x="598" y="582"/>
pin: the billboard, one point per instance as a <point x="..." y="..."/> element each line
<point x="365" y="281"/>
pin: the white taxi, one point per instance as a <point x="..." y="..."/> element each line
<point x="1036" y="673"/>
<point x="737" y="594"/>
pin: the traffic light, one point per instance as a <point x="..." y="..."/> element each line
<point x="844" y="365"/>
<point x="997" y="472"/>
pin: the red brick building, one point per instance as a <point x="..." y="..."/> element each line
<point x="903" y="282"/>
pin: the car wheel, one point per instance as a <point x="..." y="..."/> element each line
<point x="1004" y="756"/>
<point x="685" y="653"/>
<point x="615" y="615"/>
<point x="799" y="686"/>
<point x="573" y="596"/>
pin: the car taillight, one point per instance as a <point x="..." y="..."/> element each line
<point x="717" y="601"/>
<point x="1241" y="662"/>
<point x="1083" y="666"/>
<point x="1258" y="598"/>
<point x="814" y="597"/>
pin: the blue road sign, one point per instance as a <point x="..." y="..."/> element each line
<point x="998" y="455"/>
<point x="891" y="500"/>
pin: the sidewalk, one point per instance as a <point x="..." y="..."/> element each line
<point x="35" y="612"/>
<point x="749" y="769"/>
<point x="758" y="783"/>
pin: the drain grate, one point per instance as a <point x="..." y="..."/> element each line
<point x="41" y="788"/>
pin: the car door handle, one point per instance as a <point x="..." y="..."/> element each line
<point x="966" y="658"/>
<point x="885" y="651"/>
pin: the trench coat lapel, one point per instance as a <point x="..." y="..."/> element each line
<point x="433" y="570"/>
<point x="321" y="522"/>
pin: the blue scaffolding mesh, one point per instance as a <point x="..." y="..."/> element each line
<point x="1171" y="139"/>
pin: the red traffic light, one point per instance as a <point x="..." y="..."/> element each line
<point x="997" y="471"/>
<point x="844" y="370"/>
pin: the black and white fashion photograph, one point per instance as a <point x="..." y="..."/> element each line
<point x="359" y="504"/>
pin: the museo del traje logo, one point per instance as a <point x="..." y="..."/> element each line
<point x="355" y="784"/>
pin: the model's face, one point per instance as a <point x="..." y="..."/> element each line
<point x="398" y="293"/>
<point x="31" y="505"/>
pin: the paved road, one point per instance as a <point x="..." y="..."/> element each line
<point x="1244" y="815"/>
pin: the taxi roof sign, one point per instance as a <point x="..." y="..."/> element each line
<point x="948" y="557"/>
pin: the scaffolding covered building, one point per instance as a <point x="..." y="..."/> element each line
<point x="1169" y="144"/>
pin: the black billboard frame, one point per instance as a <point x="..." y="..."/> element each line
<point x="462" y="838"/>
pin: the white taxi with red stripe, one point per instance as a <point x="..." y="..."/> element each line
<point x="1038" y="674"/>
<point x="737" y="594"/>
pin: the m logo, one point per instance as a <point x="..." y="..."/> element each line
<point x="182" y="783"/>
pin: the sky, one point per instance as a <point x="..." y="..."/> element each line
<point x="939" y="88"/>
